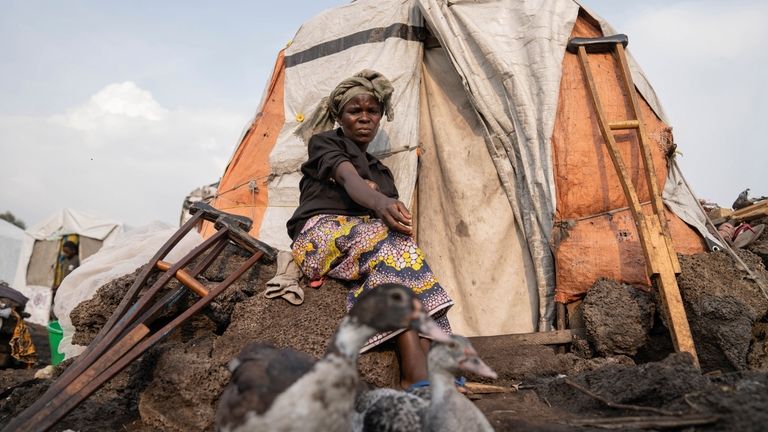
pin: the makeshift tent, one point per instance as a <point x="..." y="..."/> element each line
<point x="40" y="250"/>
<point x="493" y="144"/>
<point x="10" y="247"/>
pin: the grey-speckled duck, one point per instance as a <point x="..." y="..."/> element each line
<point x="439" y="407"/>
<point x="282" y="390"/>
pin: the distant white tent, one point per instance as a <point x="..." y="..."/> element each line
<point x="10" y="247"/>
<point x="40" y="249"/>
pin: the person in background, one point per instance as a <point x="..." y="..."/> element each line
<point x="68" y="261"/>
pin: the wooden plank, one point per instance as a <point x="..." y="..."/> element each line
<point x="556" y="337"/>
<point x="756" y="209"/>
<point x="561" y="316"/>
<point x="754" y="215"/>
<point x="720" y="213"/>
<point x="560" y="322"/>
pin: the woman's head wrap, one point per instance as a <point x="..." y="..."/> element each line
<point x="364" y="82"/>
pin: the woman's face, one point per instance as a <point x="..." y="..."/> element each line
<point x="360" y="119"/>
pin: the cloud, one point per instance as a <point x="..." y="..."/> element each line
<point x="702" y="31"/>
<point x="112" y="106"/>
<point x="120" y="154"/>
<point x="706" y="62"/>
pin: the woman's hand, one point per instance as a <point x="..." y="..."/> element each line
<point x="393" y="213"/>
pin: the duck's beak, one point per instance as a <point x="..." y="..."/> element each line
<point x="425" y="325"/>
<point x="472" y="363"/>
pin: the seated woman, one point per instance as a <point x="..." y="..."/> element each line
<point x="349" y="224"/>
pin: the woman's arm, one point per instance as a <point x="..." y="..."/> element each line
<point x="393" y="212"/>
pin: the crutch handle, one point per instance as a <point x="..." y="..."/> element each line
<point x="212" y="214"/>
<point x="598" y="44"/>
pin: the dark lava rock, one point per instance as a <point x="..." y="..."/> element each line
<point x="617" y="317"/>
<point x="757" y="359"/>
<point x="90" y="316"/>
<point x="722" y="304"/>
<point x="759" y="246"/>
<point x="738" y="400"/>
<point x="306" y="328"/>
<point x="724" y="322"/>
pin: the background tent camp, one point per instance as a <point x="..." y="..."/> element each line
<point x="40" y="250"/>
<point x="10" y="247"/>
<point x="494" y="145"/>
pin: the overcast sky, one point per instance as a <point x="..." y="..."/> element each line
<point x="121" y="108"/>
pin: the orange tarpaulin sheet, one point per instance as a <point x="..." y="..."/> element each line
<point x="243" y="187"/>
<point x="587" y="183"/>
<point x="608" y="246"/>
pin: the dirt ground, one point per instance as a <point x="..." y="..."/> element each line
<point x="624" y="373"/>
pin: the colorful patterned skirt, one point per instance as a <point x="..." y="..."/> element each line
<point x="364" y="250"/>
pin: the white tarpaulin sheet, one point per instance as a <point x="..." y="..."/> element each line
<point x="326" y="50"/>
<point x="509" y="55"/>
<point x="465" y="223"/>
<point x="684" y="204"/>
